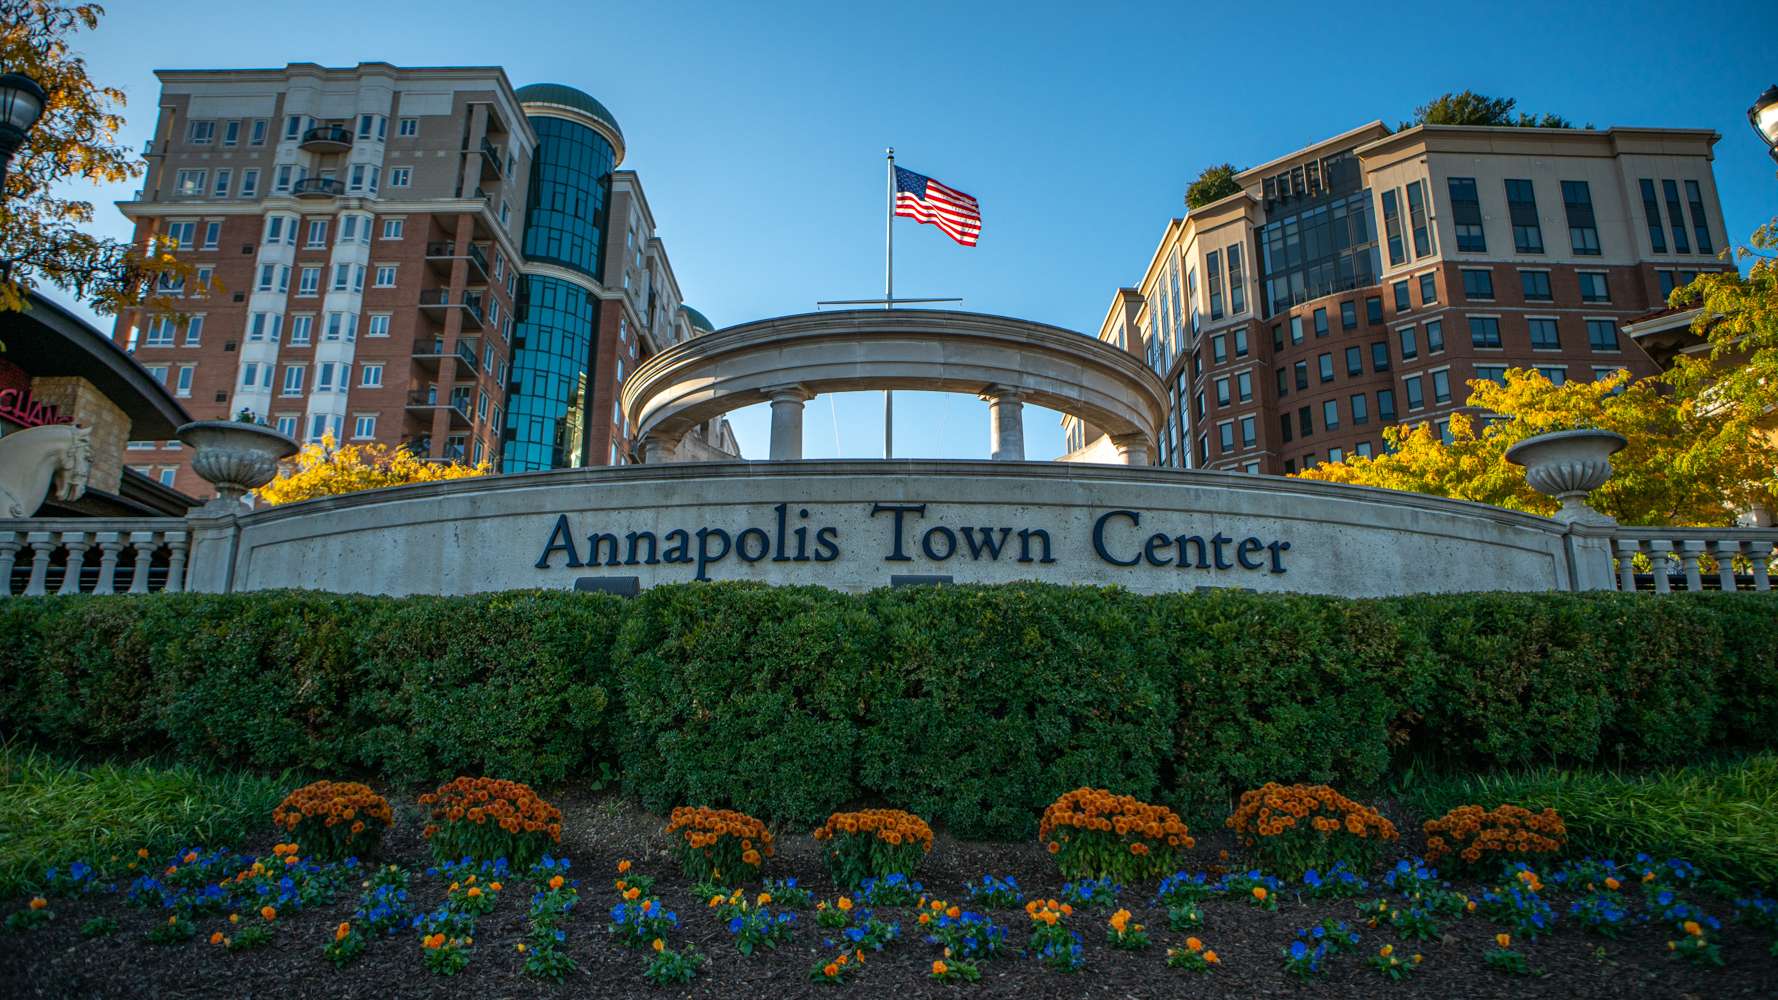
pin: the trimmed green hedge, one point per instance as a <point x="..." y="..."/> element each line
<point x="972" y="706"/>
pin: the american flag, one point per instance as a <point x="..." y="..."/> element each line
<point x="921" y="198"/>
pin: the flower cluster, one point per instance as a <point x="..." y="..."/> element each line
<point x="785" y="892"/>
<point x="636" y="923"/>
<point x="873" y="843"/>
<point x="965" y="936"/>
<point x="334" y="819"/>
<point x="1391" y="966"/>
<point x="1051" y="941"/>
<point x="1503" y="958"/>
<point x="557" y="896"/>
<point x="1338" y="882"/>
<point x="839" y="969"/>
<point x="1184" y="887"/>
<point x="486" y="818"/>
<point x="1518" y="905"/>
<point x="719" y="845"/>
<point x="448" y="933"/>
<point x="1602" y="913"/>
<point x="382" y="909"/>
<point x="1092" y="893"/>
<point x="1294" y="828"/>
<point x="955" y="970"/>
<point x="1470" y="836"/>
<point x="1307" y="955"/>
<point x="78" y="880"/>
<point x="1194" y="957"/>
<point x="995" y="891"/>
<point x="756" y="926"/>
<point x="890" y="890"/>
<point x="1093" y="832"/>
<point x="1125" y="933"/>
<point x="1696" y="946"/>
<point x="35" y="914"/>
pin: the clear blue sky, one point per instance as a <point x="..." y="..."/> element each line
<point x="758" y="129"/>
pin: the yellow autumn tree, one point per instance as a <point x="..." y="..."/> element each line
<point x="1686" y="462"/>
<point x="323" y="470"/>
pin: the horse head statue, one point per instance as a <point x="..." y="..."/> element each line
<point x="34" y="460"/>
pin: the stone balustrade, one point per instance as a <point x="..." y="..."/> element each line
<point x="93" y="555"/>
<point x="1685" y="555"/>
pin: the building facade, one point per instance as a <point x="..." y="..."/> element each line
<point x="1362" y="282"/>
<point x="411" y="256"/>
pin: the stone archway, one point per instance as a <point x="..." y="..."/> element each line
<point x="790" y="359"/>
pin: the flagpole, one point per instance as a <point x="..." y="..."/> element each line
<point x="889" y="297"/>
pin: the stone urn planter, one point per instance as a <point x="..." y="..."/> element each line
<point x="1568" y="465"/>
<point x="235" y="457"/>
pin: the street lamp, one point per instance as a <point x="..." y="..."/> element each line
<point x="21" y="104"/>
<point x="1764" y="118"/>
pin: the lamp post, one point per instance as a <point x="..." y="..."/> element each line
<point x="21" y="104"/>
<point x="1763" y="116"/>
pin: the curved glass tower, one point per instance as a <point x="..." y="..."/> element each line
<point x="578" y="146"/>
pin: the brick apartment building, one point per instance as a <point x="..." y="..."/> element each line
<point x="1362" y="281"/>
<point x="413" y="256"/>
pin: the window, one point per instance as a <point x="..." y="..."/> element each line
<point x="1544" y="336"/>
<point x="1602" y="334"/>
<point x="1593" y="287"/>
<point x="1330" y="415"/>
<point x="1417" y="220"/>
<point x="203" y="133"/>
<point x="250" y="183"/>
<point x="317" y="426"/>
<point x="212" y="234"/>
<point x="190" y="183"/>
<point x="231" y="133"/>
<point x="1403" y="302"/>
<point x="1305" y="423"/>
<point x="287" y="426"/>
<point x="1348" y="316"/>
<point x="1484" y="331"/>
<point x="1219" y="349"/>
<point x="1392" y="227"/>
<point x="1429" y="289"/>
<point x="1354" y="360"/>
<point x="1244" y="387"/>
<point x="293" y="126"/>
<point x="1700" y="224"/>
<point x="1675" y="217"/>
<point x="1296" y="329"/>
<point x="1237" y="293"/>
<point x="1521" y="205"/>
<point x="180" y="234"/>
<point x="324" y="378"/>
<point x="1601" y="374"/>
<point x="308" y="281"/>
<point x="393" y="228"/>
<point x="385" y="276"/>
<point x="302" y="329"/>
<point x="317" y="238"/>
<point x="1478" y="284"/>
<point x="1466" y="214"/>
<point x="1435" y="337"/>
<point x="1380" y="356"/>
<point x="267" y="274"/>
<point x="1289" y="464"/>
<point x="1277" y="336"/>
<point x="367" y="126"/>
<point x="1583" y="231"/>
<point x="281" y="180"/>
<point x="1225" y="433"/>
<point x="203" y="284"/>
<point x="407" y="128"/>
<point x="400" y="177"/>
<point x="1284" y="427"/>
<point x="256" y="135"/>
<point x="1325" y="364"/>
<point x="1441" y="386"/>
<point x="1302" y="374"/>
<point x="1386" y="405"/>
<point x="358" y="278"/>
<point x="160" y="332"/>
<point x="293" y="380"/>
<point x="1213" y="282"/>
<point x="1373" y="310"/>
<point x="364" y="425"/>
<point x="223" y="178"/>
<point x="1222" y="391"/>
<point x="1360" y="409"/>
<point x="194" y="331"/>
<point x="379" y="325"/>
<point x="342" y="277"/>
<point x="1651" y="211"/>
<point x="1411" y="385"/>
<point x="1336" y="455"/>
<point x="1321" y="322"/>
<point x="1241" y="342"/>
<point x="1536" y="285"/>
<point x="249" y="375"/>
<point x="371" y="377"/>
<point x="1556" y="374"/>
<point x="1249" y="436"/>
<point x="1283" y="389"/>
<point x="1492" y="373"/>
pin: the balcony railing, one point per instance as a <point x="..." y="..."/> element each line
<point x="428" y="399"/>
<point x="466" y="356"/>
<point x="1677" y="558"/>
<point x="326" y="139"/>
<point x="442" y="252"/>
<point x="317" y="187"/>
<point x="493" y="163"/>
<point x="136" y="555"/>
<point x="440" y="298"/>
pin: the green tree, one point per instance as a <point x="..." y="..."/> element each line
<point x="1471" y="108"/>
<point x="43" y="234"/>
<point x="1687" y="462"/>
<point x="1214" y="183"/>
<point x="1738" y="318"/>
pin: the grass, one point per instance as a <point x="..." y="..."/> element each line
<point x="53" y="812"/>
<point x="1722" y="817"/>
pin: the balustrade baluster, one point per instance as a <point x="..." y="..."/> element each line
<point x="43" y="545"/>
<point x="77" y="543"/>
<point x="1626" y="564"/>
<point x="110" y="544"/>
<point x="1657" y="558"/>
<point x="9" y="551"/>
<point x="1760" y="553"/>
<point x="1724" y="554"/>
<point x="145" y="543"/>
<point x="177" y="543"/>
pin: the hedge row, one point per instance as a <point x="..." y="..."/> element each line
<point x="973" y="706"/>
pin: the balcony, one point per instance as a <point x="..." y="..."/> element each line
<point x="493" y="162"/>
<point x="440" y="254"/>
<point x="326" y="139"/>
<point x="437" y="302"/>
<point x="428" y="353"/>
<point x="427" y="399"/>
<point x="318" y="187"/>
<point x="466" y="358"/>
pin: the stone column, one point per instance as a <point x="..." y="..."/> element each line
<point x="9" y="551"/>
<point x="1132" y="449"/>
<point x="657" y="449"/>
<point x="1006" y="423"/>
<point x="77" y="543"/>
<point x="787" y="421"/>
<point x="43" y="544"/>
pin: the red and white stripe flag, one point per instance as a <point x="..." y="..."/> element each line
<point x="925" y="200"/>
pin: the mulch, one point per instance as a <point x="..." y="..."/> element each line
<point x="55" y="961"/>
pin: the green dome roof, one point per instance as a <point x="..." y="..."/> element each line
<point x="579" y="100"/>
<point x="697" y="319"/>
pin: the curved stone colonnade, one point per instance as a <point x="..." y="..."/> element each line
<point x="790" y="359"/>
